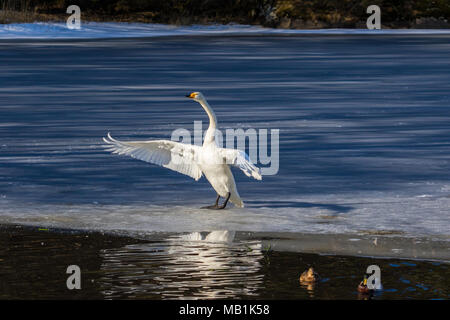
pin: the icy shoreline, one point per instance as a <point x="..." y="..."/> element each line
<point x="355" y="245"/>
<point x="369" y="214"/>
<point x="98" y="30"/>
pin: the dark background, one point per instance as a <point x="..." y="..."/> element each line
<point x="297" y="14"/>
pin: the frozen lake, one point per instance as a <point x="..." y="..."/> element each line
<point x="364" y="131"/>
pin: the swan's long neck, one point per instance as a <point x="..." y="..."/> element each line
<point x="209" y="137"/>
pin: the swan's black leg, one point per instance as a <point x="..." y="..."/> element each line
<point x="214" y="206"/>
<point x="225" y="202"/>
<point x="217" y="201"/>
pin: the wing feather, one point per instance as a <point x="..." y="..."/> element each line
<point x="241" y="160"/>
<point x="173" y="155"/>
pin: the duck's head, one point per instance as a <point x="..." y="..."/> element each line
<point x="363" y="283"/>
<point x="196" y="96"/>
<point x="309" y="276"/>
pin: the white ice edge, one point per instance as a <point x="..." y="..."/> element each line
<point x="97" y="30"/>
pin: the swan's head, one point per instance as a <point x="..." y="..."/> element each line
<point x="197" y="96"/>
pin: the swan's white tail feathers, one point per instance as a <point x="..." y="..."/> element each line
<point x="236" y="200"/>
<point x="240" y="204"/>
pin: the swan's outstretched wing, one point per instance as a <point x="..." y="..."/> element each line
<point x="173" y="155"/>
<point x="241" y="160"/>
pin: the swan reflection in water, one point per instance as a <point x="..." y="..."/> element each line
<point x="196" y="265"/>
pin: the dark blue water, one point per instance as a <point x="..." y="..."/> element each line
<point x="364" y="131"/>
<point x="179" y="268"/>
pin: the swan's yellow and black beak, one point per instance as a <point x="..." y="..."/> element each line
<point x="191" y="95"/>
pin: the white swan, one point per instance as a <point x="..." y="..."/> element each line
<point x="193" y="160"/>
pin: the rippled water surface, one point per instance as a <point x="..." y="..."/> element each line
<point x="195" y="266"/>
<point x="364" y="132"/>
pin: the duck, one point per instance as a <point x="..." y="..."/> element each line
<point x="309" y="276"/>
<point x="363" y="288"/>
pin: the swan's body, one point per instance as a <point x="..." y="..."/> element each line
<point x="193" y="160"/>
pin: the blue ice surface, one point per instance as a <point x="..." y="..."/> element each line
<point x="364" y="130"/>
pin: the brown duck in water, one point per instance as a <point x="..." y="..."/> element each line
<point x="362" y="287"/>
<point x="309" y="276"/>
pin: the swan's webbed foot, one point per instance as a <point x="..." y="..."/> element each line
<point x="216" y="205"/>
